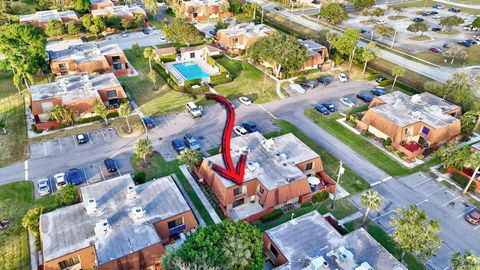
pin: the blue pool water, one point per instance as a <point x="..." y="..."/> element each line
<point x="191" y="71"/>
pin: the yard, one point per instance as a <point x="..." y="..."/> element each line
<point x="363" y="147"/>
<point x="15" y="200"/>
<point x="473" y="58"/>
<point x="249" y="82"/>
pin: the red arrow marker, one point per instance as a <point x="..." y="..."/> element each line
<point x="236" y="175"/>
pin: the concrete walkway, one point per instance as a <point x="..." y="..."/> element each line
<point x="34" y="256"/>
<point x="200" y="194"/>
<point x="189" y="201"/>
<point x="352" y="217"/>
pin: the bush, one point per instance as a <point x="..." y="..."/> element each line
<point x="463" y="181"/>
<point x="401" y="154"/>
<point x="385" y="82"/>
<point x="95" y="118"/>
<point x="352" y="123"/>
<point x="272" y="215"/>
<point x="35" y="129"/>
<point x="320" y="196"/>
<point x="220" y="79"/>
<point x="420" y="156"/>
<point x="366" y="134"/>
<point x="139" y="177"/>
<point x="390" y="148"/>
<point x="387" y="141"/>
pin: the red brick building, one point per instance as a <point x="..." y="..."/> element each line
<point x="41" y="18"/>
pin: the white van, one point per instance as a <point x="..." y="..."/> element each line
<point x="194" y="110"/>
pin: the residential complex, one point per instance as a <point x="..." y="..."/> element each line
<point x="76" y="91"/>
<point x="201" y="10"/>
<point x="101" y="4"/>
<point x="280" y="171"/>
<point x="125" y="12"/>
<point x="310" y="242"/>
<point x="89" y="57"/>
<point x="238" y="37"/>
<point x="116" y="226"/>
<point x="317" y="56"/>
<point x="414" y="123"/>
<point x="41" y="18"/>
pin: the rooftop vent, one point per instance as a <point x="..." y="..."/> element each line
<point x="398" y="103"/>
<point x="318" y="263"/>
<point x="417" y="114"/>
<point x="416" y="98"/>
<point x="253" y="166"/>
<point x="269" y="144"/>
<point x="91" y="206"/>
<point x="102" y="228"/>
<point x="281" y="157"/>
<point x="131" y="193"/>
<point x="364" y="266"/>
<point x="344" y="255"/>
<point x="138" y="213"/>
<point x="243" y="150"/>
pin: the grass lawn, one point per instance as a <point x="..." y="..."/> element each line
<point x="351" y="182"/>
<point x="15" y="200"/>
<point x="151" y="101"/>
<point x="473" y="58"/>
<point x="250" y="82"/>
<point x="362" y="146"/>
<point x="421" y="38"/>
<point x="159" y="168"/>
<point x="430" y="3"/>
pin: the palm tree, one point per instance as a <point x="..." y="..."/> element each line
<point x="20" y="73"/>
<point x="330" y="37"/>
<point x="397" y="71"/>
<point x="62" y="114"/>
<point x="466" y="261"/>
<point x="124" y="112"/>
<point x="101" y="110"/>
<point x="446" y="151"/>
<point x="473" y="162"/>
<point x="237" y="252"/>
<point x="143" y="147"/>
<point x="224" y="7"/>
<point x="149" y="53"/>
<point x="190" y="157"/>
<point x="371" y="200"/>
<point x="152" y="75"/>
<point x="366" y="55"/>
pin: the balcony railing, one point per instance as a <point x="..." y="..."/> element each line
<point x="178" y="229"/>
<point x="239" y="196"/>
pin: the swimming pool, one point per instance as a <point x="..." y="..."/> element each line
<point x="191" y="71"/>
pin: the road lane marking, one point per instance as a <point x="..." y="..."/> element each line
<point x="103" y="135"/>
<point x="386" y="179"/>
<point x="118" y="169"/>
<point x="59" y="143"/>
<point x="376" y="183"/>
<point x="454" y="199"/>
<point x="85" y="174"/>
<point x="477" y="227"/>
<point x="210" y="139"/>
<point x="45" y="148"/>
<point x="100" y="167"/>
<point x="75" y="141"/>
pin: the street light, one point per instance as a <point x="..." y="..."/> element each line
<point x="341" y="171"/>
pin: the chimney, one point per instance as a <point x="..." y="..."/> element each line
<point x="131" y="193"/>
<point x="91" y="206"/>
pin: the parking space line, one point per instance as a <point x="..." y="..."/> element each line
<point x="85" y="174"/>
<point x="75" y="141"/>
<point x="165" y="119"/>
<point x="100" y="167"/>
<point x="89" y="138"/>
<point x="452" y="200"/>
<point x="383" y="215"/>
<point x="210" y="139"/>
<point x="59" y="143"/>
<point x="45" y="148"/>
<point x="422" y="183"/>
<point x="477" y="227"/>
<point x="464" y="213"/>
<point x="440" y="189"/>
<point x="118" y="169"/>
<point x="26" y="169"/>
<point x="103" y="135"/>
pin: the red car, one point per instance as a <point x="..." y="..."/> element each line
<point x="473" y="217"/>
<point x="435" y="50"/>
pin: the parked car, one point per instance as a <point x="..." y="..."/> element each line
<point x="310" y="84"/>
<point x="438" y="6"/>
<point x="146" y="31"/>
<point x="477" y="38"/>
<point x="330" y="106"/>
<point x="194" y="110"/>
<point x="239" y="130"/>
<point x="81" y="138"/>
<point x="178" y="145"/>
<point x="454" y="9"/>
<point x="245" y="101"/>
<point x="417" y="19"/>
<point x="43" y="187"/>
<point x="426" y="13"/>
<point x="342" y="77"/>
<point x="277" y="8"/>
<point x="110" y="165"/>
<point x="436" y="29"/>
<point x="347" y="102"/>
<point x="250" y="126"/>
<point x="471" y="41"/>
<point x="297" y="88"/>
<point x="433" y="12"/>
<point x="380" y="78"/>
<point x="325" y="80"/>
<point x="149" y="122"/>
<point x="162" y="40"/>
<point x="435" y="50"/>
<point x="75" y="176"/>
<point x="381" y="22"/>
<point x="464" y="43"/>
<point x="473" y="217"/>
<point x="124" y="34"/>
<point x="365" y="97"/>
<point x="60" y="180"/>
<point x="362" y="31"/>
<point x="446" y="46"/>
<point x="378" y="92"/>
<point x="191" y="142"/>
<point x="321" y="109"/>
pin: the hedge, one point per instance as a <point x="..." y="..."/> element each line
<point x="168" y="58"/>
<point x="463" y="181"/>
<point x="220" y="79"/>
<point x="272" y="215"/>
<point x="95" y="118"/>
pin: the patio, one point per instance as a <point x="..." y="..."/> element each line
<point x="245" y="210"/>
<point x="412" y="146"/>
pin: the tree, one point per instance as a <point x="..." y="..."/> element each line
<point x="180" y="31"/>
<point x="367" y="54"/>
<point x="149" y="53"/>
<point x="371" y="200"/>
<point x="279" y="50"/>
<point x="151" y="5"/>
<point x="68" y="195"/>
<point x="73" y="29"/>
<point x="126" y="24"/>
<point x="54" y="28"/>
<point x="414" y="28"/>
<point x="62" y="114"/>
<point x="364" y="3"/>
<point x="445" y="152"/>
<point x="469" y="122"/>
<point x="143" y="147"/>
<point x="152" y="75"/>
<point x="124" y="111"/>
<point x="376" y="12"/>
<point x="330" y="37"/>
<point x="31" y="220"/>
<point x="450" y="21"/>
<point x="473" y="162"/>
<point x="465" y="261"/>
<point x="113" y="21"/>
<point x="334" y="13"/>
<point x="347" y="43"/>
<point x="82" y="6"/>
<point x="458" y="89"/>
<point x="190" y="157"/>
<point x="397" y="71"/>
<point x="414" y="233"/>
<point x="224" y="8"/>
<point x="226" y="245"/>
<point x="455" y="52"/>
<point x="384" y="31"/>
<point x="476" y="22"/>
<point x="101" y="110"/>
<point x="138" y="20"/>
<point x="95" y="25"/>
<point x="320" y="197"/>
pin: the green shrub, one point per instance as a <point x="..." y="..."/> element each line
<point x="139" y="177"/>
<point x="35" y="129"/>
<point x="390" y="148"/>
<point x="463" y="181"/>
<point x="420" y="156"/>
<point x="220" y="79"/>
<point x="366" y="134"/>
<point x="95" y="118"/>
<point x="385" y="82"/>
<point x="352" y="123"/>
<point x="401" y="154"/>
<point x="387" y="141"/>
<point x="272" y="215"/>
<point x="168" y="58"/>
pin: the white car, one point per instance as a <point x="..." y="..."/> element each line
<point x="347" y="102"/>
<point x="60" y="180"/>
<point x="43" y="187"/>
<point x="342" y="77"/>
<point x="163" y="40"/>
<point x="477" y="38"/>
<point x="245" y="101"/>
<point x="381" y="22"/>
<point x="239" y="130"/>
<point x="436" y="16"/>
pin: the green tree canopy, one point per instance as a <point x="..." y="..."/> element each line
<point x="190" y="157"/>
<point x="143" y="147"/>
<point x="62" y="114"/>
<point x="151" y="5"/>
<point x="54" y="28"/>
<point x="455" y="52"/>
<point x="94" y="25"/>
<point x="333" y="12"/>
<point x="465" y="261"/>
<point x="371" y="200"/>
<point x="82" y="6"/>
<point x="73" y="29"/>
<point x="68" y="195"/>
<point x="124" y="111"/>
<point x="364" y="3"/>
<point x="451" y="21"/>
<point x="180" y="31"/>
<point x="226" y="245"/>
<point x="476" y="22"/>
<point x="31" y="220"/>
<point x="101" y="110"/>
<point x="280" y="50"/>
<point x="469" y="122"/>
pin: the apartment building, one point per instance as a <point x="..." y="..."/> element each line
<point x="240" y="36"/>
<point x="41" y="18"/>
<point x="76" y="91"/>
<point x="317" y="55"/>
<point x="101" y="4"/>
<point x="125" y="12"/>
<point x="116" y="226"/>
<point x="90" y="57"/>
<point x="310" y="242"/>
<point x="279" y="171"/>
<point x="414" y="123"/>
<point x="201" y="10"/>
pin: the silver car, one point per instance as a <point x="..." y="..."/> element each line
<point x="43" y="187"/>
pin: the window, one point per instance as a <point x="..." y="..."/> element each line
<point x="175" y="223"/>
<point x="409" y="132"/>
<point x="425" y="131"/>
<point x="117" y="64"/>
<point x="112" y="94"/>
<point x="239" y="202"/>
<point x="274" y="251"/>
<point x="69" y="262"/>
<point x="308" y="166"/>
<point x="192" y="55"/>
<point x="237" y="191"/>
<point x="260" y="189"/>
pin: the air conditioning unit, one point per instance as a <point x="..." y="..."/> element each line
<point x="253" y="166"/>
<point x="269" y="144"/>
<point x="102" y="228"/>
<point x="91" y="206"/>
<point x="131" y="193"/>
<point x="281" y="157"/>
<point x="318" y="263"/>
<point x="138" y="213"/>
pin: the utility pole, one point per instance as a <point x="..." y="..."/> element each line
<point x="341" y="171"/>
<point x="394" y="36"/>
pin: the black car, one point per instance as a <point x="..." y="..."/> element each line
<point x="436" y="29"/>
<point x="178" y="145"/>
<point x="417" y="19"/>
<point x="84" y="39"/>
<point x="149" y="122"/>
<point x="365" y="97"/>
<point x="110" y="165"/>
<point x="362" y="31"/>
<point x="81" y="139"/>
<point x="446" y="46"/>
<point x="378" y="92"/>
<point x="277" y="8"/>
<point x="380" y="78"/>
<point x="325" y="80"/>
<point x="75" y="176"/>
<point x="310" y="84"/>
<point x="433" y="12"/>
<point x="330" y="106"/>
<point x="250" y="126"/>
<point x="454" y="10"/>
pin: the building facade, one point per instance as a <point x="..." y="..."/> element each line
<point x="202" y="10"/>
<point x="125" y="12"/>
<point x="101" y="4"/>
<point x="239" y="37"/>
<point x="41" y="18"/>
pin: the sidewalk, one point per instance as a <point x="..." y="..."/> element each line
<point x="201" y="222"/>
<point x="352" y="217"/>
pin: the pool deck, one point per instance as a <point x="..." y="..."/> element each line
<point x="170" y="68"/>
